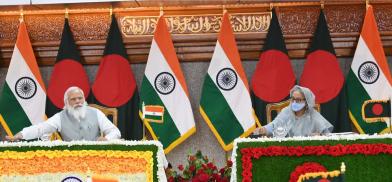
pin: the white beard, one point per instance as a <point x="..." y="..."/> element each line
<point x="78" y="112"/>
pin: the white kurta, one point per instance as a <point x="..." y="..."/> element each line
<point x="53" y="124"/>
<point x="310" y="123"/>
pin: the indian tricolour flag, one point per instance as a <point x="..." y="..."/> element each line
<point x="369" y="79"/>
<point x="153" y="113"/>
<point x="225" y="100"/>
<point x="22" y="100"/>
<point x="163" y="86"/>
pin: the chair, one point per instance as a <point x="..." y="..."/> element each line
<point x="108" y="111"/>
<point x="273" y="109"/>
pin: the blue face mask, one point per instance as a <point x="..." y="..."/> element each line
<point x="295" y="106"/>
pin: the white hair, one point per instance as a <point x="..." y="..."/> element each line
<point x="77" y="113"/>
<point x="69" y="90"/>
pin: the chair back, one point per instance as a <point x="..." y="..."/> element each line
<point x="108" y="111"/>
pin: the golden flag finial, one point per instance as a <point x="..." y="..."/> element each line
<point x="111" y="10"/>
<point x="66" y="13"/>
<point x="21" y="18"/>
<point x="161" y="11"/>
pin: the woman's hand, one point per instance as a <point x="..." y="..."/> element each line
<point x="260" y="131"/>
<point x="102" y="139"/>
<point x="315" y="134"/>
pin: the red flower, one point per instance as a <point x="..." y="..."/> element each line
<point x="200" y="171"/>
<point x="180" y="167"/>
<point x="192" y="168"/>
<point x="319" y="150"/>
<point x="204" y="166"/>
<point x="246" y="151"/>
<point x="334" y="151"/>
<point x="210" y="165"/>
<point x="229" y="163"/>
<point x="224" y="180"/>
<point x="202" y="177"/>
<point x="171" y="179"/>
<point x="216" y="177"/>
<point x="192" y="158"/>
<point x="222" y="171"/>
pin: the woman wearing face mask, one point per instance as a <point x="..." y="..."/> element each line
<point x="299" y="118"/>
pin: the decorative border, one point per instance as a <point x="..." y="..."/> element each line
<point x="335" y="150"/>
<point x="84" y="145"/>
<point x="195" y="24"/>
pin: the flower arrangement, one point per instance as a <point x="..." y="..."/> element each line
<point x="199" y="169"/>
<point x="307" y="167"/>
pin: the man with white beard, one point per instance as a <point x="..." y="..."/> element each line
<point x="77" y="121"/>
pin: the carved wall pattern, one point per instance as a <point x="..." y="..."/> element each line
<point x="8" y="27"/>
<point x="45" y="28"/>
<point x="90" y="26"/>
<point x="90" y="30"/>
<point x="384" y="17"/>
<point x="344" y="19"/>
<point x="298" y="20"/>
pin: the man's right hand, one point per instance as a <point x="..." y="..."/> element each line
<point x="14" y="138"/>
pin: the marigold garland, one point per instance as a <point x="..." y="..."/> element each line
<point x="324" y="175"/>
<point x="331" y="150"/>
<point x="98" y="161"/>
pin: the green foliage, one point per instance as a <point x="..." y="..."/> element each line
<point x="358" y="167"/>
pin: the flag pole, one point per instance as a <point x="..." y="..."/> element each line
<point x="144" y="127"/>
<point x="390" y="118"/>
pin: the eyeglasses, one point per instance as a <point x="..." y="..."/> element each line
<point x="298" y="99"/>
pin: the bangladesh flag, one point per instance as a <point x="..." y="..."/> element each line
<point x="68" y="71"/>
<point x="22" y="100"/>
<point x="274" y="76"/>
<point x="225" y="100"/>
<point x="115" y="85"/>
<point x="369" y="79"/>
<point x="164" y="90"/>
<point x="324" y="77"/>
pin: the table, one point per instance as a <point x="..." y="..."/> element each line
<point x="82" y="161"/>
<point x="366" y="157"/>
